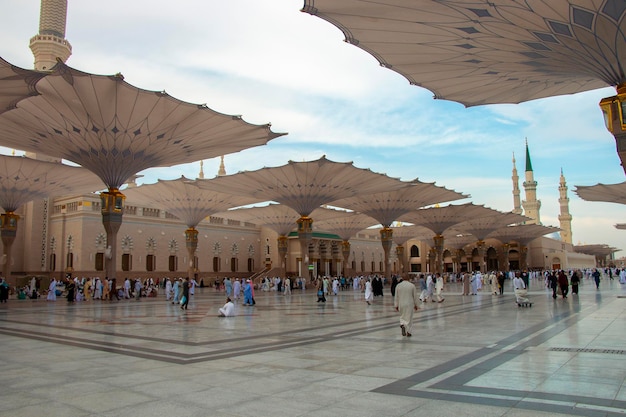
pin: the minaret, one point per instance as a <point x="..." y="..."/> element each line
<point x="531" y="204"/>
<point x="201" y="173"/>
<point x="222" y="171"/>
<point x="517" y="205"/>
<point x="565" y="218"/>
<point x="50" y="43"/>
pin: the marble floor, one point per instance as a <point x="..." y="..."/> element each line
<point x="291" y="356"/>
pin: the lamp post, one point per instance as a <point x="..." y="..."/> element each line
<point x="614" y="110"/>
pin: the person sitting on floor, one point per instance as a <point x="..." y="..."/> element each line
<point x="228" y="310"/>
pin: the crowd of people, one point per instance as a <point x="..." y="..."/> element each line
<point x="428" y="287"/>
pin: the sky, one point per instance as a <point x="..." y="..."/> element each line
<point x="271" y="63"/>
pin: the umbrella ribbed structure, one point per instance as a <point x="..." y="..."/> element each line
<point x="610" y="193"/>
<point x="115" y="130"/>
<point x="439" y="219"/>
<point x="494" y="51"/>
<point x="344" y="223"/>
<point x="184" y="199"/>
<point x="23" y="179"/>
<point x="600" y="251"/>
<point x="523" y="234"/>
<point x="304" y="186"/>
<point x="488" y="51"/>
<point x="389" y="206"/>
<point x="16" y="84"/>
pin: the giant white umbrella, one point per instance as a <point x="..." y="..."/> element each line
<point x="23" y="179"/>
<point x="115" y="130"/>
<point x="494" y="51"/>
<point x="184" y="199"/>
<point x="389" y="206"/>
<point x="304" y="186"/>
<point x="346" y="224"/>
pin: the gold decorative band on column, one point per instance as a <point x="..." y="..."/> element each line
<point x="305" y="225"/>
<point x="112" y="201"/>
<point x="400" y="251"/>
<point x="614" y="110"/>
<point x="345" y="246"/>
<point x="191" y="235"/>
<point x="8" y="222"/>
<point x="283" y="244"/>
<point x="386" y="234"/>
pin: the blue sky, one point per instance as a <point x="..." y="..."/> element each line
<point x="268" y="62"/>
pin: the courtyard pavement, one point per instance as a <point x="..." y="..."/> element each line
<point x="476" y="355"/>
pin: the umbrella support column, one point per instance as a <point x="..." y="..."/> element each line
<point x="191" y="242"/>
<point x="283" y="246"/>
<point x="112" y="207"/>
<point x="305" y="235"/>
<point x="401" y="260"/>
<point x="438" y="241"/>
<point x="345" y="252"/>
<point x="8" y="231"/>
<point x="386" y="237"/>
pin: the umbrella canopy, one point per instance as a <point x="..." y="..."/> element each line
<point x="16" y="84"/>
<point x="23" y="179"/>
<point x="610" y="193"/>
<point x="346" y="224"/>
<point x="482" y="226"/>
<point x="455" y="239"/>
<point x="183" y="198"/>
<point x="489" y="51"/>
<point x="304" y="186"/>
<point x="440" y="219"/>
<point x="403" y="233"/>
<point x="598" y="250"/>
<point x="115" y="129"/>
<point x="389" y="206"/>
<point x="278" y="217"/>
<point x="523" y="233"/>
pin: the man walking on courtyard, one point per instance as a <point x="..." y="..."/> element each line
<point x="405" y="302"/>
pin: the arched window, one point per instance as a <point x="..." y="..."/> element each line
<point x="415" y="251"/>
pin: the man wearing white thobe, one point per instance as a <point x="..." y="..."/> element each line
<point x="228" y="310"/>
<point x="405" y="302"/>
<point x="52" y="290"/>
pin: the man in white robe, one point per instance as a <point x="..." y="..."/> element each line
<point x="52" y="290"/>
<point x="168" y="289"/>
<point x="237" y="289"/>
<point x="126" y="288"/>
<point x="228" y="310"/>
<point x="369" y="293"/>
<point x="405" y="302"/>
